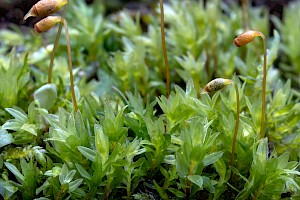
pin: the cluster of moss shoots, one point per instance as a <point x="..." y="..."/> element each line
<point x="219" y="83"/>
<point x="45" y="8"/>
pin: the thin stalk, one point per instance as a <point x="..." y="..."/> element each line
<point x="188" y="189"/>
<point x="162" y="29"/>
<point x="214" y="49"/>
<point x="236" y="123"/>
<point x="214" y="54"/>
<point x="207" y="63"/>
<point x="245" y="5"/>
<point x="242" y="40"/>
<point x="264" y="83"/>
<point x="70" y="65"/>
<point x="55" y="46"/>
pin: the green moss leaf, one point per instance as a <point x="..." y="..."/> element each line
<point x="5" y="138"/>
<point x="196" y="179"/>
<point x="88" y="153"/>
<point x="211" y="158"/>
<point x="12" y="168"/>
<point x="83" y="172"/>
<point x="46" y="96"/>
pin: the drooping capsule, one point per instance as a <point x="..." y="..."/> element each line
<point x="247" y="37"/>
<point x="216" y="85"/>
<point x="47" y="23"/>
<point x="45" y="7"/>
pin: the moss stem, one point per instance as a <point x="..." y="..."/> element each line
<point x="55" y="47"/>
<point x="264" y="83"/>
<point x="162" y="28"/>
<point x="242" y="40"/>
<point x="70" y="65"/>
<point x="245" y="7"/>
<point x="236" y="123"/>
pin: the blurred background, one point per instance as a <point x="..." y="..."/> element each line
<point x="12" y="11"/>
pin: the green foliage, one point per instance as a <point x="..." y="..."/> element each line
<point x="27" y="127"/>
<point x="194" y="155"/>
<point x="290" y="49"/>
<point x="127" y="141"/>
<point x="27" y="178"/>
<point x="283" y="108"/>
<point x="269" y="176"/>
<point x="13" y="71"/>
<point x="87" y="31"/>
<point x="130" y="67"/>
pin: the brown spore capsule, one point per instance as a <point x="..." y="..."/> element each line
<point x="216" y="85"/>
<point x="47" y="23"/>
<point x="45" y="7"/>
<point x="246" y="37"/>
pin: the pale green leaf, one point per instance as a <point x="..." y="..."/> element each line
<point x="15" y="171"/>
<point x="88" y="153"/>
<point x="196" y="179"/>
